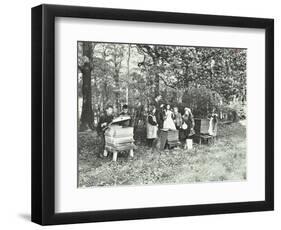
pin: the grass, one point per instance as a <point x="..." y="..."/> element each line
<point x="225" y="160"/>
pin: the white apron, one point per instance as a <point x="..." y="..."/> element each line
<point x="151" y="130"/>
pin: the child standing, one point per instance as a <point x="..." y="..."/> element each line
<point x="104" y="122"/>
<point x="168" y="122"/>
<point x="188" y="125"/>
<point x="125" y="112"/>
<point x="152" y="127"/>
<point x="177" y="118"/>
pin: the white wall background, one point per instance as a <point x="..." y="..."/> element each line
<point x="15" y="114"/>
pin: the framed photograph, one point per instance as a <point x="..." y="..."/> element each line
<point x="142" y="114"/>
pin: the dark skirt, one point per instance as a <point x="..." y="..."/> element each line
<point x="185" y="134"/>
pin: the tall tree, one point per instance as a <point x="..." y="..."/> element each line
<point x="220" y="69"/>
<point x="116" y="52"/>
<point x="128" y="73"/>
<point x="87" y="116"/>
<point x="156" y="57"/>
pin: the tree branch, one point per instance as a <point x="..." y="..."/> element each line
<point x="166" y="83"/>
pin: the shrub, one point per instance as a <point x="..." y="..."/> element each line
<point x="240" y="108"/>
<point x="202" y="101"/>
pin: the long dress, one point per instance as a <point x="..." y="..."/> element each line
<point x="213" y="125"/>
<point x="189" y="123"/>
<point x="169" y="122"/>
<point x="151" y="128"/>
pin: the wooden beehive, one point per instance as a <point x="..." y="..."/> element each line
<point x="173" y="138"/>
<point x="119" y="138"/>
<point x="201" y="126"/>
<point x="119" y="131"/>
<point x="173" y="135"/>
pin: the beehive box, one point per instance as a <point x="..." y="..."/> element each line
<point x="201" y="126"/>
<point x="173" y="138"/>
<point x="173" y="135"/>
<point x="119" y="138"/>
<point x="119" y="131"/>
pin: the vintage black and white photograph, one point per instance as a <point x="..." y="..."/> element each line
<point x="151" y="114"/>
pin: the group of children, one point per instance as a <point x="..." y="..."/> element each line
<point x="165" y="118"/>
<point x="162" y="117"/>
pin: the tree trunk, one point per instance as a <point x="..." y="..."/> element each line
<point x="156" y="79"/>
<point x="87" y="116"/>
<point x="128" y="74"/>
<point x="95" y="98"/>
<point x="117" y="89"/>
<point x="157" y="85"/>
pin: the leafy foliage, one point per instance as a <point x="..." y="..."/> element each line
<point x="220" y="69"/>
<point x="202" y="101"/>
<point x="198" y="77"/>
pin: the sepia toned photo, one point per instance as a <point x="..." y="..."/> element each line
<point x="151" y="114"/>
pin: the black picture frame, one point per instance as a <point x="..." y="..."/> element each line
<point x="43" y="114"/>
